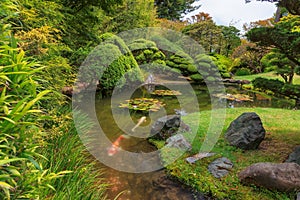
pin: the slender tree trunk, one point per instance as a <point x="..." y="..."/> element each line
<point x="278" y="14"/>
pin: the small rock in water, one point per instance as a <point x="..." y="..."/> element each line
<point x="178" y="141"/>
<point x="199" y="156"/>
<point x="220" y="167"/>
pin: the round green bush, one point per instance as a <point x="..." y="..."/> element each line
<point x="192" y="69"/>
<point x="226" y="75"/>
<point x="204" y="66"/>
<point x="196" y="77"/>
<point x="204" y="59"/>
<point x="243" y="72"/>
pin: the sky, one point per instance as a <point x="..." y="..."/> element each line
<point x="235" y="12"/>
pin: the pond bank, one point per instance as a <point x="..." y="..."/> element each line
<point x="283" y="134"/>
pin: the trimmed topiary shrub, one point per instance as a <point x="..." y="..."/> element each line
<point x="196" y="78"/>
<point x="146" y="52"/>
<point x="242" y="72"/>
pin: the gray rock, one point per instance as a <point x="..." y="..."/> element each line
<point x="274" y="176"/>
<point x="246" y="132"/>
<point x="199" y="156"/>
<point x="178" y="141"/>
<point x="167" y="126"/>
<point x="220" y="167"/>
<point x="294" y="156"/>
<point x="298" y="196"/>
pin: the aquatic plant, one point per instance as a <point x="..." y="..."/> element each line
<point x="142" y="104"/>
<point x="166" y="92"/>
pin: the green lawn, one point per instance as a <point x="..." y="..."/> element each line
<point x="282" y="135"/>
<point x="270" y="75"/>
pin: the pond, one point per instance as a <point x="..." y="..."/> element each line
<point x="157" y="185"/>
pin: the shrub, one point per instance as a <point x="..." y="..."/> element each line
<point x="268" y="84"/>
<point x="242" y="72"/>
<point x="196" y="78"/>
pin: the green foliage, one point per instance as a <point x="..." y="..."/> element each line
<point x="206" y="33"/>
<point x="110" y="61"/>
<point x="279" y="88"/>
<point x="22" y="132"/>
<point x="242" y="72"/>
<point x="196" y="78"/>
<point x="173" y="9"/>
<point x="281" y="36"/>
<point x="183" y="62"/>
<point x="84" y="181"/>
<point x="129" y="15"/>
<point x="146" y="52"/>
<point x="230" y="40"/>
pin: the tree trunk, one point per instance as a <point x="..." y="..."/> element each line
<point x="278" y="14"/>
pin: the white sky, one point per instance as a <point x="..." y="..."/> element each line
<point x="235" y="12"/>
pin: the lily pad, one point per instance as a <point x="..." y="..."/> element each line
<point x="142" y="104"/>
<point x="166" y="92"/>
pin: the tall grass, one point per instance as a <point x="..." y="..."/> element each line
<point x="21" y="133"/>
<point x="66" y="152"/>
<point x="41" y="156"/>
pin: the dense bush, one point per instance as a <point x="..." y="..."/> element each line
<point x="268" y="84"/>
<point x="278" y="87"/>
<point x="146" y="52"/>
<point x="242" y="72"/>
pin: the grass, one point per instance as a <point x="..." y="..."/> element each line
<point x="282" y="135"/>
<point x="66" y="152"/>
<point x="269" y="75"/>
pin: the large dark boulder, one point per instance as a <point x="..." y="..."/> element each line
<point x="168" y="126"/>
<point x="294" y="156"/>
<point x="283" y="176"/>
<point x="246" y="132"/>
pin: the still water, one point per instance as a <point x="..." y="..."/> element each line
<point x="156" y="185"/>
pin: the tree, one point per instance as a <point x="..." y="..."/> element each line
<point x="205" y="31"/>
<point x="281" y="36"/>
<point x="260" y="23"/>
<point x="285" y="40"/>
<point x="130" y="14"/>
<point x="293" y="6"/>
<point x="248" y="55"/>
<point x="77" y="5"/>
<point x="230" y="39"/>
<point x="173" y="9"/>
